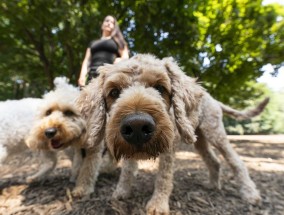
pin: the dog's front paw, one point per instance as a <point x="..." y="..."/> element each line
<point x="252" y="196"/>
<point x="31" y="179"/>
<point x="80" y="191"/>
<point x="158" y="207"/>
<point x="119" y="193"/>
<point x="213" y="185"/>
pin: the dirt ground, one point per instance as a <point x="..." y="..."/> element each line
<point x="263" y="155"/>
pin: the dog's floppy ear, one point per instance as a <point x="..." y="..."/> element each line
<point x="186" y="96"/>
<point x="92" y="107"/>
<point x="32" y="140"/>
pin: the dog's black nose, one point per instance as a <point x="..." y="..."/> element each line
<point x="138" y="128"/>
<point x="50" y="132"/>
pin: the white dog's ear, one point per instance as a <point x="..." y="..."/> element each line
<point x="32" y="140"/>
<point x="92" y="107"/>
<point x="186" y="96"/>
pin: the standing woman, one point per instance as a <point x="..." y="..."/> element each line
<point x="110" y="48"/>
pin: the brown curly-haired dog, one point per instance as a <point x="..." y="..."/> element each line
<point x="59" y="124"/>
<point x="141" y="107"/>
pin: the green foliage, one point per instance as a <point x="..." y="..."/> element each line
<point x="43" y="39"/>
<point x="222" y="43"/>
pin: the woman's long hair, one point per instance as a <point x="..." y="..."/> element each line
<point x="117" y="35"/>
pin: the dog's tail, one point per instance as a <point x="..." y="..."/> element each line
<point x="247" y="114"/>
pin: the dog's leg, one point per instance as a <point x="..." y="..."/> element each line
<point x="89" y="172"/>
<point x="159" y="203"/>
<point x="218" y="138"/>
<point x="76" y="163"/>
<point x="109" y="164"/>
<point x="49" y="160"/>
<point x="3" y="153"/>
<point x="248" y="189"/>
<point x="210" y="159"/>
<point x="127" y="175"/>
<point x="212" y="128"/>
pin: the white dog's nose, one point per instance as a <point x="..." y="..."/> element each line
<point x="50" y="132"/>
<point x="138" y="128"/>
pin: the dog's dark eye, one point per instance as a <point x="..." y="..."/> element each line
<point x="69" y="113"/>
<point x="160" y="88"/>
<point x="114" y="93"/>
<point x="48" y="112"/>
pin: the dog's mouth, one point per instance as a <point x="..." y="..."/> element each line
<point x="56" y="144"/>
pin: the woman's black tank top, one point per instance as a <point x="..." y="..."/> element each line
<point x="103" y="51"/>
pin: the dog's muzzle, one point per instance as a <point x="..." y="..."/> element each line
<point x="54" y="142"/>
<point x="137" y="128"/>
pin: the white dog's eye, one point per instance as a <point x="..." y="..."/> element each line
<point x="114" y="93"/>
<point x="69" y="113"/>
<point x="48" y="112"/>
<point x="160" y="88"/>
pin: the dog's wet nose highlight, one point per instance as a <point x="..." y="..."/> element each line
<point x="137" y="128"/>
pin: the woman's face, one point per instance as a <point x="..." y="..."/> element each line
<point x="108" y="25"/>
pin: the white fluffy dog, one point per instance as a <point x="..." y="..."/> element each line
<point x="16" y="119"/>
<point x="58" y="125"/>
<point x="28" y="120"/>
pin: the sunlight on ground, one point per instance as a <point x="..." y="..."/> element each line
<point x="264" y="164"/>
<point x="185" y="155"/>
<point x="14" y="194"/>
<point x="256" y="163"/>
<point x="151" y="165"/>
<point x="11" y="197"/>
<point x="268" y="138"/>
<point x="65" y="163"/>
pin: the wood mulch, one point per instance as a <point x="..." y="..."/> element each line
<point x="263" y="155"/>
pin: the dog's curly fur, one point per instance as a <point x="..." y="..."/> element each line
<point x="167" y="106"/>
<point x="58" y="125"/>
<point x="16" y="119"/>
